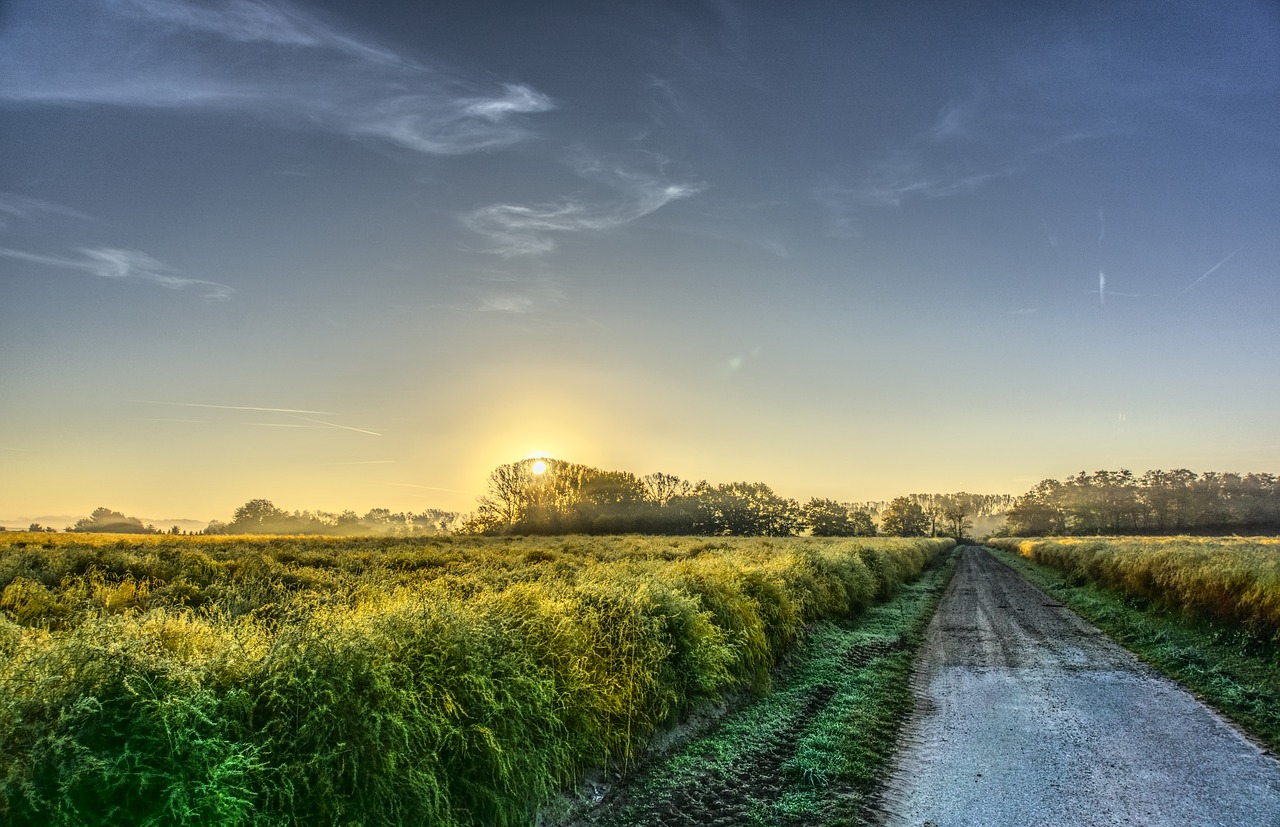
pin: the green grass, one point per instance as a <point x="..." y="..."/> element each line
<point x="811" y="751"/>
<point x="321" y="681"/>
<point x="1227" y="667"/>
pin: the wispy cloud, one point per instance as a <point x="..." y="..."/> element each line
<point x="1045" y="98"/>
<point x="890" y="181"/>
<point x="110" y="263"/>
<point x="951" y="122"/>
<point x="266" y="59"/>
<point x="506" y="303"/>
<point x="248" y="21"/>
<point x="529" y="230"/>
<point x="14" y="206"/>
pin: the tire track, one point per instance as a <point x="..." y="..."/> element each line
<point x="1027" y="715"/>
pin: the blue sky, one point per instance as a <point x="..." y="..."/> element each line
<point x="351" y="255"/>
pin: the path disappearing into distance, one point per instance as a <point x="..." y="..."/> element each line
<point x="1026" y="715"/>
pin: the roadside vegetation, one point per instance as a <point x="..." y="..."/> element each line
<point x="1205" y="611"/>
<point x="324" y="681"/>
<point x="809" y="753"/>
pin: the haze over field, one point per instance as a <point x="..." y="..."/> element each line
<point x="345" y="255"/>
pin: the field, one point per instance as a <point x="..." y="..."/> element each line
<point x="463" y="681"/>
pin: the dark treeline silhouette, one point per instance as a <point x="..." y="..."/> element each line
<point x="548" y="496"/>
<point x="263" y="517"/>
<point x="1158" y="502"/>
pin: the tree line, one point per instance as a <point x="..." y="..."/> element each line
<point x="549" y="496"/>
<point x="1158" y="502"/>
<point x="264" y="517"/>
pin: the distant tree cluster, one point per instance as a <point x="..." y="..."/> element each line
<point x="106" y="521"/>
<point x="1158" y="502"/>
<point x="264" y="517"/>
<point x="549" y="496"/>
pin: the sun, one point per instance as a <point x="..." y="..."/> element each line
<point x="538" y="467"/>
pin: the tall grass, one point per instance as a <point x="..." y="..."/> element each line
<point x="443" y="681"/>
<point x="1230" y="582"/>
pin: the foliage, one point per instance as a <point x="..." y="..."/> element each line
<point x="262" y="516"/>
<point x="566" y="498"/>
<point x="904" y="518"/>
<point x="439" y="680"/>
<point x="747" y="509"/>
<point x="1231" y="582"/>
<point x="828" y="518"/>
<point x="112" y="522"/>
<point x="1158" y="502"/>
<point x="811" y="751"/>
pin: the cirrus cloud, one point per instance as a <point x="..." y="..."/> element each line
<point x="264" y="59"/>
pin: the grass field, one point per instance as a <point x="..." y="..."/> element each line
<point x="1143" y="592"/>
<point x="172" y="680"/>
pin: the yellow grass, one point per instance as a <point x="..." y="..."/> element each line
<point x="1231" y="581"/>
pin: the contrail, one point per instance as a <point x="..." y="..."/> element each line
<point x="336" y="425"/>
<point x="236" y="407"/>
<point x="429" y="487"/>
<point x="1102" y="288"/>
<point x="1207" y="273"/>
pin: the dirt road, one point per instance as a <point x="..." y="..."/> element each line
<point x="1026" y="715"/>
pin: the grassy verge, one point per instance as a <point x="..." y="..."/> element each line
<point x="1227" y="668"/>
<point x="811" y="751"/>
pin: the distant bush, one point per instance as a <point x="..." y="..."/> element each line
<point x="444" y="681"/>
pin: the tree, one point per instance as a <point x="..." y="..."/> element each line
<point x="111" y="522"/>
<point x="747" y="509"/>
<point x="862" y="524"/>
<point x="257" y="516"/>
<point x="550" y="496"/>
<point x="507" y="500"/>
<point x="931" y="507"/>
<point x="662" y="488"/>
<point x="827" y="518"/>
<point x="1038" y="513"/>
<point x="956" y="509"/>
<point x="904" y="518"/>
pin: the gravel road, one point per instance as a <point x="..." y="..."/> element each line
<point x="1026" y="715"/>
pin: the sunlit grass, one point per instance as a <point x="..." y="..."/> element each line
<point x="449" y="681"/>
<point x="1232" y="582"/>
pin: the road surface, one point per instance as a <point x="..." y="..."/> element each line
<point x="1026" y="715"/>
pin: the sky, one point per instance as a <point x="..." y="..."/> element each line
<point x="346" y="255"/>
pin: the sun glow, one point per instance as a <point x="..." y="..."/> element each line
<point x="539" y="467"/>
